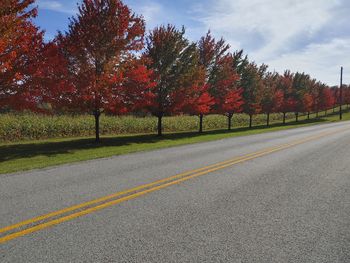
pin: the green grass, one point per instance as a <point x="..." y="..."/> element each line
<point x="28" y="155"/>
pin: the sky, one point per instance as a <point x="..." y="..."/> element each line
<point x="311" y="36"/>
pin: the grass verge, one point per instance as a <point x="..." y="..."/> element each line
<point x="15" y="157"/>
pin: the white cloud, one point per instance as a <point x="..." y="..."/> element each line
<point x="321" y="61"/>
<point x="280" y="33"/>
<point x="57" y="7"/>
<point x="274" y="22"/>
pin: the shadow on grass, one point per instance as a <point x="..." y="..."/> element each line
<point x="27" y="150"/>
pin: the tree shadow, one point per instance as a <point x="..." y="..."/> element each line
<point x="51" y="148"/>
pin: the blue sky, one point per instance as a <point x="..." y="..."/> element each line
<point x="301" y="35"/>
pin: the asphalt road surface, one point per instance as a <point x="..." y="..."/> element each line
<point x="275" y="197"/>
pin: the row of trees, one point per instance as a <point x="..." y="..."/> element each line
<point x="104" y="63"/>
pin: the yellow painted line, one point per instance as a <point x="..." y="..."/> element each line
<point x="105" y="198"/>
<point x="192" y="174"/>
<point x="111" y="203"/>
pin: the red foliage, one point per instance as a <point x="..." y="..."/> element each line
<point x="174" y="61"/>
<point x="102" y="68"/>
<point x="94" y="68"/>
<point x="227" y="94"/>
<point x="288" y="105"/>
<point x="252" y="82"/>
<point x="346" y="93"/>
<point x="135" y="88"/>
<point x="52" y="79"/>
<point x="307" y="103"/>
<point x="232" y="102"/>
<point x="220" y="75"/>
<point x="97" y="50"/>
<point x="272" y="97"/>
<point x="197" y="101"/>
<point x="327" y="99"/>
<point x="278" y="99"/>
<point x="20" y="46"/>
<point x="286" y="85"/>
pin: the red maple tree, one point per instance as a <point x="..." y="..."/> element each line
<point x="346" y="96"/>
<point x="308" y="104"/>
<point x="99" y="48"/>
<point x="231" y="104"/>
<point x="221" y="77"/>
<point x="52" y="79"/>
<point x="285" y="84"/>
<point x="327" y="99"/>
<point x="272" y="97"/>
<point x="197" y="101"/>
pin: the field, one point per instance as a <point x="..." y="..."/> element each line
<point x="31" y="154"/>
<point x="19" y="127"/>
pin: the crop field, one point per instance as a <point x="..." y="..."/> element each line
<point x="18" y="127"/>
<point x="21" y="151"/>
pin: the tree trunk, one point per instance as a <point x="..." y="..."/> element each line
<point x="333" y="109"/>
<point x="97" y="115"/>
<point x="229" y="119"/>
<point x="325" y="113"/>
<point x="160" y="117"/>
<point x="296" y="116"/>
<point x="201" y="123"/>
<point x="250" y="121"/>
<point x="316" y="114"/>
<point x="268" y="119"/>
<point x="284" y="118"/>
<point x="308" y="115"/>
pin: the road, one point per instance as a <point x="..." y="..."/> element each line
<point x="276" y="197"/>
